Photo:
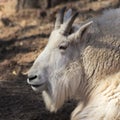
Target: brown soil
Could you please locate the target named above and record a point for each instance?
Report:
(20, 43)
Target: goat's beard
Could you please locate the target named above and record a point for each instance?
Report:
(64, 85)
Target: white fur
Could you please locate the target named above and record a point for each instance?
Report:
(87, 70)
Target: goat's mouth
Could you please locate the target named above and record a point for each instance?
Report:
(37, 86)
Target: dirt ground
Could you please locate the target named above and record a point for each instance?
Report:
(21, 41)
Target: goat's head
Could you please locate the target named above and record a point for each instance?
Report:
(63, 48)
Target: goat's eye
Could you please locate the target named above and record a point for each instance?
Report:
(63, 46)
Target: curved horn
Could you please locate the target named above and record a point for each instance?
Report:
(65, 28)
(59, 18)
(67, 15)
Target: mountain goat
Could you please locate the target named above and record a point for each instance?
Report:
(81, 62)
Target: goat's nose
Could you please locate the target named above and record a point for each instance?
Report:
(30, 78)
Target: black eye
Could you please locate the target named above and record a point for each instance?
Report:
(63, 46)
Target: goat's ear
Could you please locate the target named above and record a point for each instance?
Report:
(80, 32)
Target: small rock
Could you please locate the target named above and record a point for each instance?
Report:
(23, 23)
(14, 72)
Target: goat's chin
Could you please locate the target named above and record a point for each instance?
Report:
(39, 88)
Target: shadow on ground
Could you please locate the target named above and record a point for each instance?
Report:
(19, 104)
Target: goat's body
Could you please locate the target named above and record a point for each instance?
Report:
(101, 59)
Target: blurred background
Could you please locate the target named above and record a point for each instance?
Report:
(25, 26)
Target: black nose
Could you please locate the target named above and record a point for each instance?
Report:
(32, 77)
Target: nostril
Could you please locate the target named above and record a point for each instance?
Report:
(32, 77)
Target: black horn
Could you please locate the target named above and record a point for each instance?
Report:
(59, 18)
(65, 28)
